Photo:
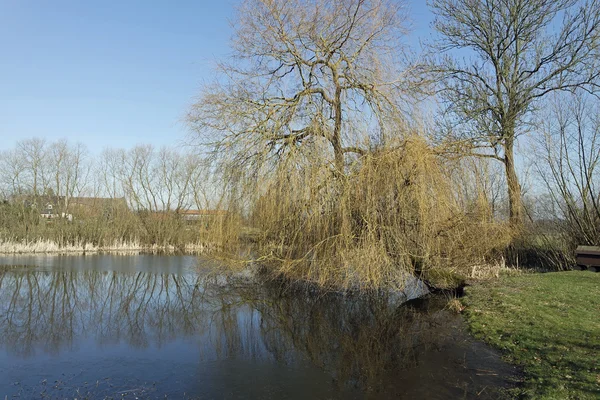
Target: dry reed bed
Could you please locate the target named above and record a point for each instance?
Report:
(51, 247)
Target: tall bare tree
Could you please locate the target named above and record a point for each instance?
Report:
(67, 167)
(34, 154)
(109, 173)
(12, 173)
(521, 50)
(306, 75)
(570, 149)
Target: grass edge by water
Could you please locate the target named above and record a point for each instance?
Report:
(548, 325)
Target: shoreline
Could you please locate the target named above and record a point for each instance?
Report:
(47, 247)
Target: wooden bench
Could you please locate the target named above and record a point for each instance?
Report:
(588, 257)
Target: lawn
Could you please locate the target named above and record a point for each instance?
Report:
(549, 324)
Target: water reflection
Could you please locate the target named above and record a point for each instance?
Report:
(369, 347)
(373, 343)
(51, 309)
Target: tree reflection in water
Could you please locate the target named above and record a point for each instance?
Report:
(51, 309)
(372, 344)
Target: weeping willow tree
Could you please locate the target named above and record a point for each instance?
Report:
(325, 78)
(398, 212)
(308, 122)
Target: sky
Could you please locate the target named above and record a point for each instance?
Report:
(114, 73)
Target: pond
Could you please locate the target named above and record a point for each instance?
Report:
(150, 327)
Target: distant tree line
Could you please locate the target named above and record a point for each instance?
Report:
(117, 198)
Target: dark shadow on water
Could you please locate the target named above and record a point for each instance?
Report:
(110, 332)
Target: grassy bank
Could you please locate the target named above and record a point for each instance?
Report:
(547, 323)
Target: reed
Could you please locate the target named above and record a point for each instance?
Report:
(46, 246)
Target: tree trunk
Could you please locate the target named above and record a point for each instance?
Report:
(515, 203)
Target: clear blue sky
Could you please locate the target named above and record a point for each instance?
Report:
(112, 73)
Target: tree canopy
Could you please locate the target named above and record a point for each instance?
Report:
(324, 77)
(521, 50)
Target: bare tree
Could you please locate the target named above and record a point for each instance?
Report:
(67, 168)
(521, 51)
(152, 180)
(570, 148)
(174, 171)
(12, 173)
(137, 177)
(109, 168)
(33, 152)
(322, 76)
(56, 160)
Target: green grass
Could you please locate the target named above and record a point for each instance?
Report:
(549, 324)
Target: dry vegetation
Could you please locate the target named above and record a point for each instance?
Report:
(310, 139)
(395, 213)
(23, 230)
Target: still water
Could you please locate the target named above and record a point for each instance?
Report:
(150, 327)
